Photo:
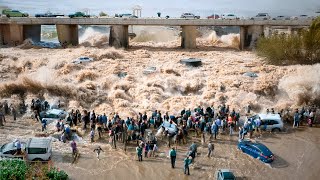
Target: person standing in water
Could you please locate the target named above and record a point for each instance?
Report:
(173, 155)
(14, 113)
(139, 152)
(98, 150)
(187, 162)
(2, 119)
(210, 149)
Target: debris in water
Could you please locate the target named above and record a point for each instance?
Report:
(250, 74)
(194, 62)
(150, 70)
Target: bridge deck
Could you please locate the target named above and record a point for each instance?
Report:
(151, 22)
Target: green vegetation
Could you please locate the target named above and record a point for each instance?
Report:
(103, 14)
(287, 49)
(16, 169)
(13, 169)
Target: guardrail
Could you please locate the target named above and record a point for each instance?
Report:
(151, 21)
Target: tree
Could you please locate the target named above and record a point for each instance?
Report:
(103, 14)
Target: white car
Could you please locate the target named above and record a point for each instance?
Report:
(189, 16)
(39, 149)
(261, 16)
(81, 60)
(229, 16)
(281, 18)
(9, 150)
(36, 149)
(53, 114)
(270, 122)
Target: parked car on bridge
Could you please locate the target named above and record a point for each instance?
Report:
(127, 15)
(78, 14)
(14, 13)
(189, 16)
(81, 60)
(229, 16)
(35, 149)
(214, 16)
(256, 150)
(281, 18)
(261, 16)
(48, 14)
(224, 174)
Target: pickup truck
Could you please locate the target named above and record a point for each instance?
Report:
(78, 14)
(14, 13)
(48, 14)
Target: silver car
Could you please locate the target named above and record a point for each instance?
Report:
(261, 16)
(9, 150)
(81, 60)
(270, 122)
(189, 16)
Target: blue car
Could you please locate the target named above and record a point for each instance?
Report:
(256, 150)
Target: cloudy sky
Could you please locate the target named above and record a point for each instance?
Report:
(170, 7)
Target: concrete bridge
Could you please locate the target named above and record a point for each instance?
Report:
(14, 31)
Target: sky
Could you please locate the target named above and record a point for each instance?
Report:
(172, 8)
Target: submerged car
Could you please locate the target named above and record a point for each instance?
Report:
(171, 128)
(53, 115)
(35, 149)
(14, 13)
(225, 174)
(256, 150)
(9, 150)
(81, 60)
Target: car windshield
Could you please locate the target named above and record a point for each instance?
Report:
(263, 149)
(15, 11)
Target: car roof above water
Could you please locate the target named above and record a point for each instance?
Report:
(269, 116)
(39, 142)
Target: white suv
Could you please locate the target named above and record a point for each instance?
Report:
(270, 122)
(39, 149)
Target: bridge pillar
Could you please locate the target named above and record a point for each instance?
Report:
(11, 34)
(1, 35)
(119, 36)
(188, 37)
(68, 34)
(32, 32)
(249, 36)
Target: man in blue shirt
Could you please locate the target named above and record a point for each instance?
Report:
(187, 162)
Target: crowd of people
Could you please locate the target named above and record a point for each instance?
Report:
(202, 122)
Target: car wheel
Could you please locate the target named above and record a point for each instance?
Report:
(8, 15)
(37, 160)
(276, 130)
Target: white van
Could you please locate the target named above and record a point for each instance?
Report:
(270, 122)
(39, 149)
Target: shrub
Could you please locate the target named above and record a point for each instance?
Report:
(13, 169)
(55, 174)
(103, 14)
(301, 48)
